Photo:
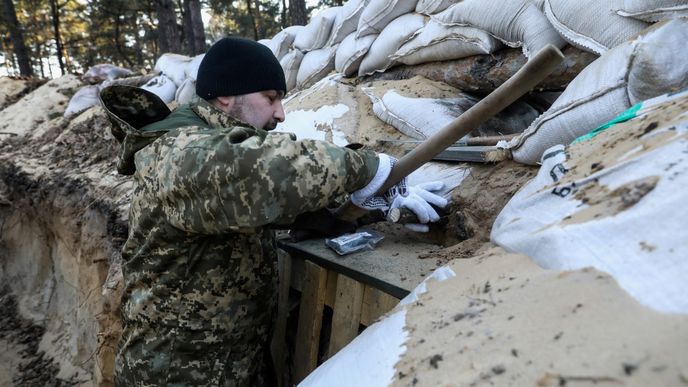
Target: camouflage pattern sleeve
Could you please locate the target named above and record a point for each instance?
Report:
(215, 181)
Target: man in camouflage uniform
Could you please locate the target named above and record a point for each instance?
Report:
(199, 263)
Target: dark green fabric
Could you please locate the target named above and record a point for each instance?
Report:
(181, 117)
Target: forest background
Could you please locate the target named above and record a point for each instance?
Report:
(50, 38)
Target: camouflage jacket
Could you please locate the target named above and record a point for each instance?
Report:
(199, 263)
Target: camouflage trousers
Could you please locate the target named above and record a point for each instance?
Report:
(174, 358)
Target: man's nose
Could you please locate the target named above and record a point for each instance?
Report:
(279, 112)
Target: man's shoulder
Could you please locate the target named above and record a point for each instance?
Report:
(182, 116)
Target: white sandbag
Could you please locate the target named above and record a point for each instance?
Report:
(346, 21)
(350, 53)
(173, 66)
(162, 86)
(592, 25)
(317, 32)
(653, 10)
(83, 99)
(388, 42)
(102, 72)
(186, 91)
(378, 13)
(431, 7)
(517, 23)
(290, 65)
(540, 4)
(616, 203)
(436, 42)
(660, 63)
(421, 118)
(191, 69)
(315, 65)
(268, 43)
(282, 41)
(648, 66)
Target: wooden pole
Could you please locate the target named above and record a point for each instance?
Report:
(525, 79)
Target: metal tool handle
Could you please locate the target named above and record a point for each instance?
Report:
(525, 79)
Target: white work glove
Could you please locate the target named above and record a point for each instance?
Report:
(418, 199)
(415, 198)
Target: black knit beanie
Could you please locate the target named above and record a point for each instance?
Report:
(235, 66)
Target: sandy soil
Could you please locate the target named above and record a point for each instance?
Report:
(21, 362)
(503, 321)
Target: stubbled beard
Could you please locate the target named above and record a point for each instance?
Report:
(242, 109)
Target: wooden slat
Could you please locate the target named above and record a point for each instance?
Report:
(310, 320)
(375, 304)
(331, 290)
(279, 345)
(346, 313)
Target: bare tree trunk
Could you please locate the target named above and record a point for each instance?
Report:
(297, 12)
(194, 33)
(259, 20)
(118, 44)
(19, 47)
(283, 18)
(137, 41)
(168, 31)
(55, 12)
(39, 54)
(253, 20)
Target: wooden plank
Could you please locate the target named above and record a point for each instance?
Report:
(375, 304)
(346, 314)
(331, 290)
(297, 269)
(392, 267)
(310, 320)
(279, 344)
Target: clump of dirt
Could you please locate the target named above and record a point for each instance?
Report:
(34, 368)
(12, 89)
(476, 204)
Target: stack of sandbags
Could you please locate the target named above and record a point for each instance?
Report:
(642, 68)
(98, 77)
(364, 37)
(281, 43)
(104, 72)
(615, 202)
(592, 25)
(421, 118)
(388, 42)
(437, 42)
(367, 36)
(517, 23)
(176, 79)
(653, 10)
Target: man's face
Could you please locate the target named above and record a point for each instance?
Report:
(261, 110)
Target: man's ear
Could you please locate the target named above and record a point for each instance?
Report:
(225, 103)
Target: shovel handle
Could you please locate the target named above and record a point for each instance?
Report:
(525, 79)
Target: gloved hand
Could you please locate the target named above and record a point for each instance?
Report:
(418, 199)
(415, 198)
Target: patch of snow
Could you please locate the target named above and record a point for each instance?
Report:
(309, 124)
